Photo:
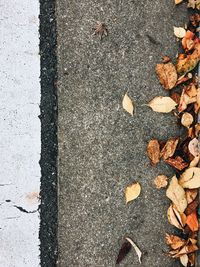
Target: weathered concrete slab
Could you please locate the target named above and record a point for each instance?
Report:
(101, 148)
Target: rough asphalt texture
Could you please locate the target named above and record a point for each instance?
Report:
(48, 107)
(102, 148)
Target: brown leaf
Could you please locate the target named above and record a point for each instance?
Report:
(186, 99)
(197, 129)
(176, 97)
(132, 192)
(177, 195)
(190, 178)
(191, 194)
(192, 207)
(153, 151)
(169, 148)
(178, 163)
(186, 250)
(160, 181)
(192, 259)
(174, 241)
(189, 62)
(167, 75)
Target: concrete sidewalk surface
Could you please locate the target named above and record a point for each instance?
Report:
(102, 149)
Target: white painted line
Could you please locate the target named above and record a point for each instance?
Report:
(20, 143)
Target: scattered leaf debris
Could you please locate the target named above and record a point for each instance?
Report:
(100, 29)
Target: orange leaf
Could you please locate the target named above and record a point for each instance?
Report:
(192, 221)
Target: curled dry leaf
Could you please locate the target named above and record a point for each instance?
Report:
(178, 163)
(191, 194)
(153, 151)
(190, 178)
(162, 104)
(161, 181)
(176, 194)
(176, 218)
(188, 63)
(137, 250)
(192, 222)
(179, 32)
(194, 147)
(187, 119)
(169, 148)
(127, 104)
(167, 75)
(186, 99)
(184, 259)
(174, 241)
(132, 192)
(186, 250)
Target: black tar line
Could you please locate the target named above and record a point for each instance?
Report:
(48, 109)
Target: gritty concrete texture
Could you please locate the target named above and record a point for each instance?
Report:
(20, 142)
(102, 148)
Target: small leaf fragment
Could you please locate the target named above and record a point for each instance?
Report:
(162, 104)
(179, 32)
(125, 249)
(137, 250)
(184, 260)
(127, 104)
(169, 148)
(190, 178)
(161, 181)
(178, 163)
(177, 195)
(132, 192)
(153, 151)
(167, 75)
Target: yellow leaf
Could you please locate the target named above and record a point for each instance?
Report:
(176, 193)
(163, 104)
(132, 192)
(127, 104)
(190, 178)
(179, 32)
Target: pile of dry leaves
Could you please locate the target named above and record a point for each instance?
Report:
(182, 152)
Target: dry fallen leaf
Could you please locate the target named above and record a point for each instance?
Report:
(127, 104)
(167, 75)
(137, 250)
(175, 217)
(132, 192)
(194, 4)
(186, 250)
(194, 147)
(189, 62)
(192, 206)
(178, 163)
(191, 194)
(187, 119)
(153, 151)
(177, 195)
(169, 148)
(161, 181)
(190, 178)
(178, 1)
(184, 260)
(192, 222)
(179, 32)
(162, 104)
(174, 241)
(195, 162)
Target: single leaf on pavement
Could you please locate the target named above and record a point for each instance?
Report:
(127, 104)
(169, 148)
(137, 250)
(190, 178)
(162, 104)
(167, 75)
(161, 181)
(179, 32)
(132, 192)
(176, 194)
(153, 151)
